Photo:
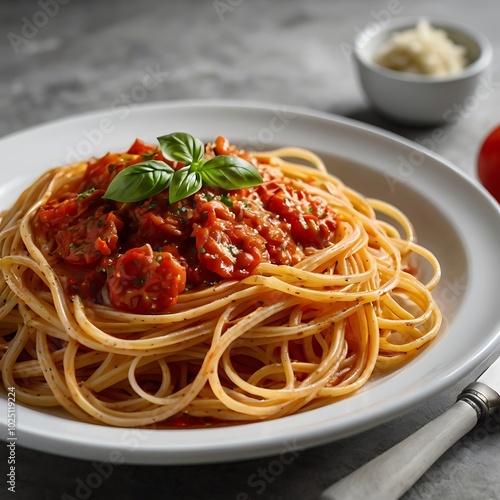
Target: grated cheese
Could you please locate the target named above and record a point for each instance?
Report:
(422, 50)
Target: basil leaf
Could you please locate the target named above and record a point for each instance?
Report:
(140, 181)
(185, 182)
(182, 147)
(229, 172)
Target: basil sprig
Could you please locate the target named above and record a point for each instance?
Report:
(143, 180)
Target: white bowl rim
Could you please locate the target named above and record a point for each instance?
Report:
(399, 23)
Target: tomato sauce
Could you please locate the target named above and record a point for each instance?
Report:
(139, 257)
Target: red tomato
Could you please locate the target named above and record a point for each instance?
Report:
(146, 282)
(488, 163)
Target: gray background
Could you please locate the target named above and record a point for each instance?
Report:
(84, 56)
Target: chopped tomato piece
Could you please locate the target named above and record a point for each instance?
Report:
(141, 148)
(229, 249)
(89, 239)
(145, 281)
(312, 223)
(60, 212)
(56, 212)
(100, 173)
(158, 223)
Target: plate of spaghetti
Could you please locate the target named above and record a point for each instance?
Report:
(207, 281)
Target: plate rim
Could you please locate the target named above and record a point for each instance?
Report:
(258, 447)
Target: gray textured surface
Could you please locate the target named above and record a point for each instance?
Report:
(91, 55)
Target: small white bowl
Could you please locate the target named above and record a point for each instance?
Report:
(415, 99)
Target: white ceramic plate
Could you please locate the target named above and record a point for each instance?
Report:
(452, 216)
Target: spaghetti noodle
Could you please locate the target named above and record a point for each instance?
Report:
(279, 298)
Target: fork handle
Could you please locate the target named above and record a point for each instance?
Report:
(389, 475)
